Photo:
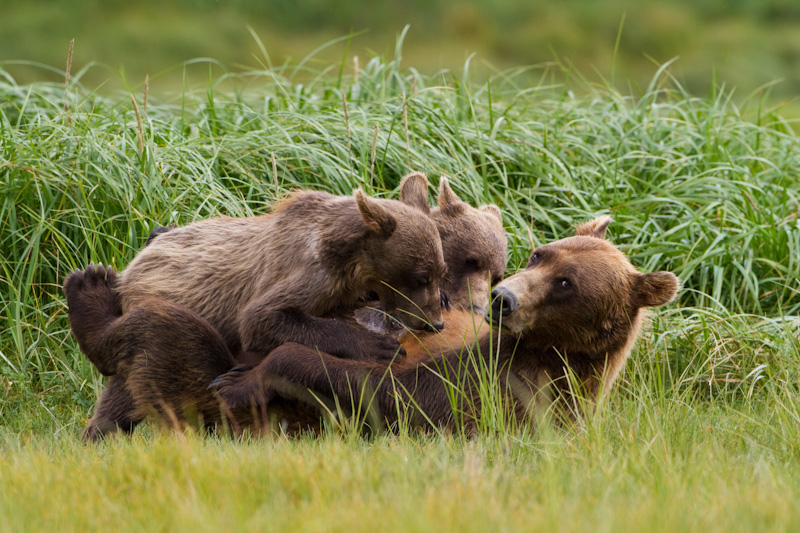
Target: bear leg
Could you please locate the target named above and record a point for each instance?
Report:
(299, 373)
(115, 411)
(265, 326)
(94, 306)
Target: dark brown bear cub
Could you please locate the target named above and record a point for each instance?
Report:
(145, 345)
(566, 322)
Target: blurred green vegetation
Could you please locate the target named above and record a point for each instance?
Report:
(741, 43)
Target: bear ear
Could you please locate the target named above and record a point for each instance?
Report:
(449, 203)
(376, 217)
(492, 210)
(654, 289)
(594, 228)
(414, 191)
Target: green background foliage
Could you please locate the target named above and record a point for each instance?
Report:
(743, 43)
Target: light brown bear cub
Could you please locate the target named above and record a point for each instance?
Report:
(474, 245)
(566, 322)
(473, 241)
(266, 280)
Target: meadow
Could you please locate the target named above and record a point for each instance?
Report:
(702, 431)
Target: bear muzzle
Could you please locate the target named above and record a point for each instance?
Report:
(504, 302)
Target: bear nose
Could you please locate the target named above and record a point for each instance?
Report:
(504, 302)
(436, 327)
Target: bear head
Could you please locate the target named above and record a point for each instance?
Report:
(404, 261)
(473, 241)
(579, 294)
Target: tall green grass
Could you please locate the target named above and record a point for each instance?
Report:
(702, 424)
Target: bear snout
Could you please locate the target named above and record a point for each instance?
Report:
(435, 327)
(504, 302)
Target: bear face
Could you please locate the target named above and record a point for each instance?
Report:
(579, 294)
(473, 241)
(405, 265)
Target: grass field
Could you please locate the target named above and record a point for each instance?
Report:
(702, 431)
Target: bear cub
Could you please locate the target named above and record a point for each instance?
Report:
(266, 280)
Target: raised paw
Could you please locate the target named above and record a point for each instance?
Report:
(93, 305)
(93, 289)
(92, 277)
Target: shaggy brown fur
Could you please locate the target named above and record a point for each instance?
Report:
(166, 356)
(473, 241)
(267, 280)
(569, 320)
(257, 283)
(143, 343)
(149, 377)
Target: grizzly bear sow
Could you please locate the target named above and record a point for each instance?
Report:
(565, 323)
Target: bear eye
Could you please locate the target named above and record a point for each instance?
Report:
(564, 283)
(534, 259)
(471, 264)
(422, 281)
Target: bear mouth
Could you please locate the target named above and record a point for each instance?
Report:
(496, 321)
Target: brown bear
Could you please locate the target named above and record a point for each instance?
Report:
(473, 241)
(566, 323)
(266, 280)
(137, 387)
(475, 252)
(144, 344)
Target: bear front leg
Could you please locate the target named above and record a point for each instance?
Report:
(265, 326)
(115, 411)
(299, 373)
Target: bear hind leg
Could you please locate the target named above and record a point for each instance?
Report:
(116, 411)
(94, 306)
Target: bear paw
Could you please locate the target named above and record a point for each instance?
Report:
(92, 288)
(242, 387)
(377, 347)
